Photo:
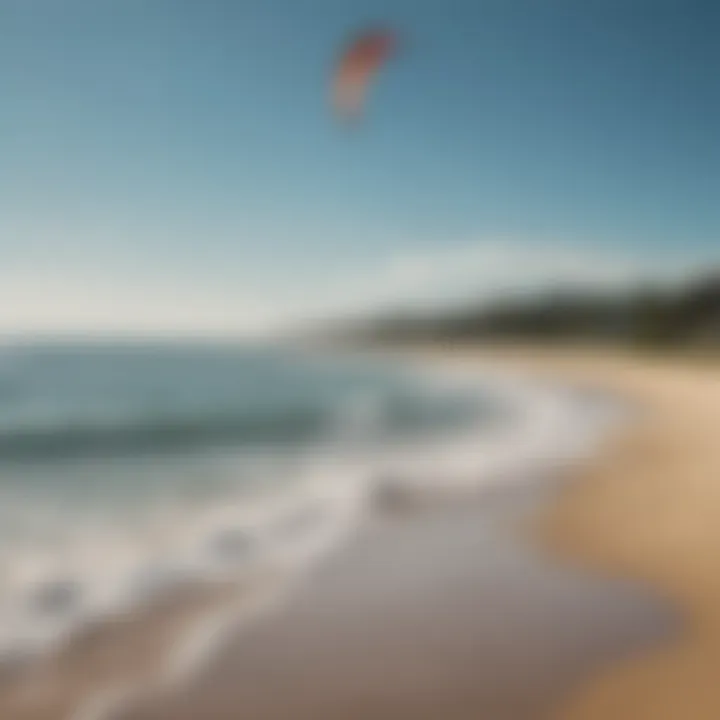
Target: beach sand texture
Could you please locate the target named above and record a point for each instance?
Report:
(439, 612)
(649, 509)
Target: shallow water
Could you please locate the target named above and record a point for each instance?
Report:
(124, 468)
(129, 473)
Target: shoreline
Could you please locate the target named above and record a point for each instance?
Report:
(649, 511)
(544, 626)
(436, 611)
(567, 602)
(116, 658)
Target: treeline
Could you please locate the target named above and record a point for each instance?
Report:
(646, 316)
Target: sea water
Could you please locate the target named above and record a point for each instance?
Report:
(128, 470)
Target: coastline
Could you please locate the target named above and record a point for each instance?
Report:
(440, 611)
(547, 598)
(647, 510)
(511, 640)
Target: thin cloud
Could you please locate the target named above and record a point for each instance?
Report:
(482, 271)
(422, 280)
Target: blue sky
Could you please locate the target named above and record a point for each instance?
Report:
(172, 164)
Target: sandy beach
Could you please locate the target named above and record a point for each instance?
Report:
(649, 509)
(637, 530)
(438, 612)
(589, 595)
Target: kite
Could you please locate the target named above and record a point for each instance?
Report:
(359, 63)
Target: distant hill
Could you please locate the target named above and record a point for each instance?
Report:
(655, 316)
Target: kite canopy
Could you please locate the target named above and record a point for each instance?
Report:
(359, 63)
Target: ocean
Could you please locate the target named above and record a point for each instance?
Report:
(130, 470)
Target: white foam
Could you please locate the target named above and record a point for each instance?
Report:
(103, 571)
(285, 531)
(545, 427)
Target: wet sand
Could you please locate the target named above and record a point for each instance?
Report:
(437, 612)
(105, 660)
